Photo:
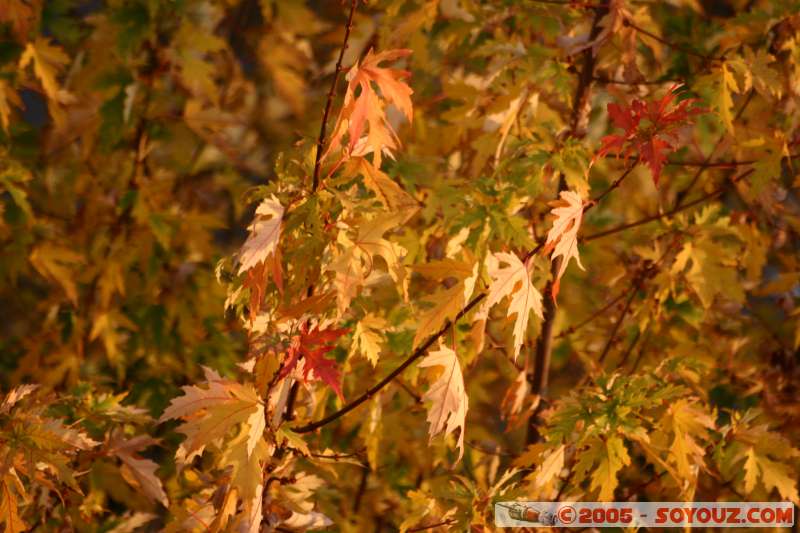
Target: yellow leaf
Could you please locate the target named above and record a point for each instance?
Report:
(447, 304)
(58, 263)
(138, 471)
(444, 268)
(265, 232)
(367, 337)
(605, 458)
(210, 413)
(750, 471)
(9, 510)
(689, 424)
(707, 275)
(286, 62)
(766, 79)
(48, 61)
(774, 475)
(448, 396)
(247, 464)
(191, 45)
(8, 97)
(354, 259)
(549, 468)
(388, 192)
(513, 281)
(562, 238)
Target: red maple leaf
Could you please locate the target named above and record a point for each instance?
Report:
(312, 346)
(650, 129)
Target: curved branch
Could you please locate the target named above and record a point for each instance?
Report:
(369, 393)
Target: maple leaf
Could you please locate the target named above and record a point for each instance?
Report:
(549, 461)
(312, 347)
(265, 232)
(10, 488)
(768, 457)
(688, 423)
(57, 263)
(774, 475)
(386, 190)
(447, 302)
(513, 281)
(516, 397)
(246, 463)
(365, 111)
(605, 457)
(48, 61)
(367, 337)
(136, 470)
(562, 238)
(189, 48)
(354, 259)
(448, 410)
(210, 413)
(649, 128)
(15, 395)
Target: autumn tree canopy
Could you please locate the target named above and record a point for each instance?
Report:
(276, 265)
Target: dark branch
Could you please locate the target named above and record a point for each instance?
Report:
(671, 44)
(633, 290)
(329, 102)
(396, 372)
(600, 312)
(540, 369)
(652, 218)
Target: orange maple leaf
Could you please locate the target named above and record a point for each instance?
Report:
(363, 115)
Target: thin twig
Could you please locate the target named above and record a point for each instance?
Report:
(681, 196)
(609, 81)
(629, 349)
(618, 324)
(613, 186)
(652, 218)
(600, 312)
(288, 414)
(440, 524)
(671, 44)
(539, 371)
(362, 488)
(329, 102)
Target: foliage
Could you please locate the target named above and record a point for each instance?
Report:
(274, 267)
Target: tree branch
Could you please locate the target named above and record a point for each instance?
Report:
(288, 414)
(600, 312)
(671, 44)
(618, 324)
(652, 218)
(539, 371)
(681, 196)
